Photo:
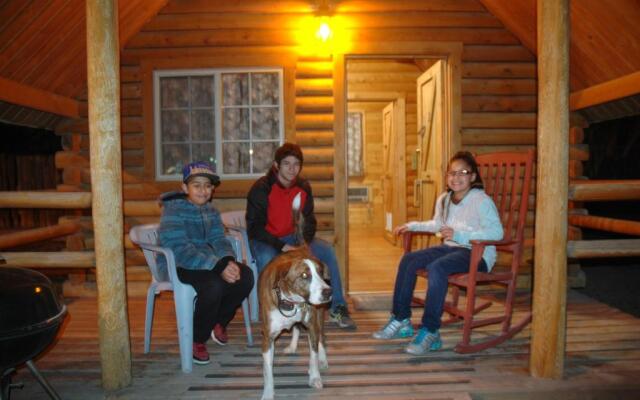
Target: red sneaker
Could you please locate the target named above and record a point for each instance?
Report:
(219, 335)
(200, 354)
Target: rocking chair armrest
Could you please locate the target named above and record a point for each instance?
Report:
(407, 237)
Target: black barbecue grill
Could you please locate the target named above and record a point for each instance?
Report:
(30, 316)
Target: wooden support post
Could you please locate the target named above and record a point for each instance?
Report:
(103, 76)
(550, 284)
(340, 212)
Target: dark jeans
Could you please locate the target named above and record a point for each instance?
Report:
(440, 262)
(217, 300)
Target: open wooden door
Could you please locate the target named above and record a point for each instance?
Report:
(432, 149)
(393, 165)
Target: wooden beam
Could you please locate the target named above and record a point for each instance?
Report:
(603, 248)
(614, 89)
(14, 239)
(23, 95)
(103, 77)
(38, 199)
(604, 190)
(550, 259)
(606, 224)
(45, 259)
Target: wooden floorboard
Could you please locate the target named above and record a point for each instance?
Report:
(603, 349)
(602, 353)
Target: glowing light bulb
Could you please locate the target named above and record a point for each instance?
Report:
(324, 31)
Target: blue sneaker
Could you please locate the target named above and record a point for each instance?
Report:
(424, 342)
(395, 329)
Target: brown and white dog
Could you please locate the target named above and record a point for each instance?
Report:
(292, 290)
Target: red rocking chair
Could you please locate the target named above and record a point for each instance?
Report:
(507, 179)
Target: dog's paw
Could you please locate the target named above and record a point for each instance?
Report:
(315, 383)
(324, 364)
(267, 396)
(290, 350)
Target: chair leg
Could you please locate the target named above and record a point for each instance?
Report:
(254, 308)
(247, 322)
(184, 315)
(148, 320)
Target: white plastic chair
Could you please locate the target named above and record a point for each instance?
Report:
(235, 222)
(146, 236)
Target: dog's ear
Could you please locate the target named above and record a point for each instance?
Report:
(325, 273)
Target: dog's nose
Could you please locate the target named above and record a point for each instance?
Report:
(326, 293)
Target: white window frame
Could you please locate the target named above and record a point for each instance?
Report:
(218, 107)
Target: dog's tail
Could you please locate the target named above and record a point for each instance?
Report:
(298, 219)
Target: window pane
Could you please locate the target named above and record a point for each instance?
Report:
(175, 92)
(235, 123)
(202, 91)
(235, 89)
(264, 88)
(235, 158)
(354, 143)
(205, 152)
(263, 156)
(265, 123)
(175, 126)
(202, 127)
(174, 157)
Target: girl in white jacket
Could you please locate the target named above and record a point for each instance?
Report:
(462, 214)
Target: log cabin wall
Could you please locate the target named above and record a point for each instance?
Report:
(498, 87)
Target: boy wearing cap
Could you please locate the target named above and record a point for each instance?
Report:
(192, 228)
(270, 222)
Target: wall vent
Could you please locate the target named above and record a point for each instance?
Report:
(358, 194)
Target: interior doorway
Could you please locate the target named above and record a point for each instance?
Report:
(386, 150)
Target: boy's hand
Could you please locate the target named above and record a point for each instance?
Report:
(288, 247)
(231, 272)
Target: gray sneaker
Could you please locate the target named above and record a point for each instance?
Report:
(340, 316)
(424, 342)
(395, 329)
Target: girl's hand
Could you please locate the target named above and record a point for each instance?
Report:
(231, 272)
(399, 230)
(446, 233)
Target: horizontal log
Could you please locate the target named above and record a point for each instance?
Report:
(499, 120)
(40, 259)
(496, 53)
(499, 103)
(499, 87)
(604, 190)
(498, 137)
(15, 239)
(499, 70)
(315, 138)
(65, 159)
(314, 121)
(314, 69)
(36, 199)
(606, 224)
(603, 248)
(314, 105)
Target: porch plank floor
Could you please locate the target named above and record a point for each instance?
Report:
(603, 354)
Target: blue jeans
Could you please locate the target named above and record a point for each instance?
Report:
(440, 262)
(264, 252)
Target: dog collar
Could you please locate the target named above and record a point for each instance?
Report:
(287, 305)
